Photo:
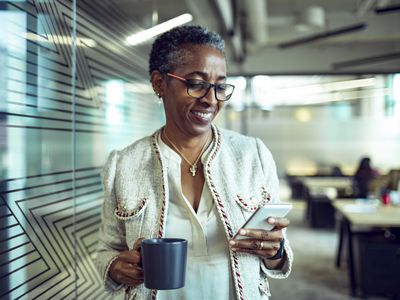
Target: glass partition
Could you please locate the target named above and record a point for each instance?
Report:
(115, 105)
(55, 135)
(36, 199)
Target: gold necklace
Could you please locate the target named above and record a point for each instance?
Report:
(193, 167)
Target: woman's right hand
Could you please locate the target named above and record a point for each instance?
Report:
(126, 269)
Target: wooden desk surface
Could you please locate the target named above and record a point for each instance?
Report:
(384, 216)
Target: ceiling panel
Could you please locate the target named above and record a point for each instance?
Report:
(373, 48)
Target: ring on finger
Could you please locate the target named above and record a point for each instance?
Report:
(256, 245)
(262, 245)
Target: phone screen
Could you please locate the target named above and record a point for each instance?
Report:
(258, 220)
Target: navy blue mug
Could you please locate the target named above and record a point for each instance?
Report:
(164, 263)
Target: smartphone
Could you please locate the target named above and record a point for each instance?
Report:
(258, 220)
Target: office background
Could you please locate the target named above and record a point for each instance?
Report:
(72, 89)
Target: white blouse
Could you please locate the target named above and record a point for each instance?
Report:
(208, 272)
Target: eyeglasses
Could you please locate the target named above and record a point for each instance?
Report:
(199, 88)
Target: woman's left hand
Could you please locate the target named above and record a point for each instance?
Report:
(261, 242)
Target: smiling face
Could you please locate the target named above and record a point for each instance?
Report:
(186, 115)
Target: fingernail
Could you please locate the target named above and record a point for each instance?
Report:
(233, 249)
(232, 243)
(271, 220)
(242, 232)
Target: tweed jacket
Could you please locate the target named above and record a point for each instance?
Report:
(241, 175)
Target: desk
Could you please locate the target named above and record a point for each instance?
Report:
(382, 217)
(318, 191)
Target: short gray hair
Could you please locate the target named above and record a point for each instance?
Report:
(167, 50)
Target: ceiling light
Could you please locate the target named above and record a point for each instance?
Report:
(265, 92)
(144, 35)
(303, 115)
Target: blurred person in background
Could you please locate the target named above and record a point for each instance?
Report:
(363, 176)
(336, 171)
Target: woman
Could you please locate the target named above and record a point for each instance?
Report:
(363, 176)
(192, 180)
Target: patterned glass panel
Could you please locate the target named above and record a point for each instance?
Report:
(55, 137)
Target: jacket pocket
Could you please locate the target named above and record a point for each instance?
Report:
(251, 202)
(124, 211)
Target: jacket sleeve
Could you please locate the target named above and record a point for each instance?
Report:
(112, 231)
(272, 182)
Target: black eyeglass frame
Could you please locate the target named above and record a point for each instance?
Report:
(209, 86)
